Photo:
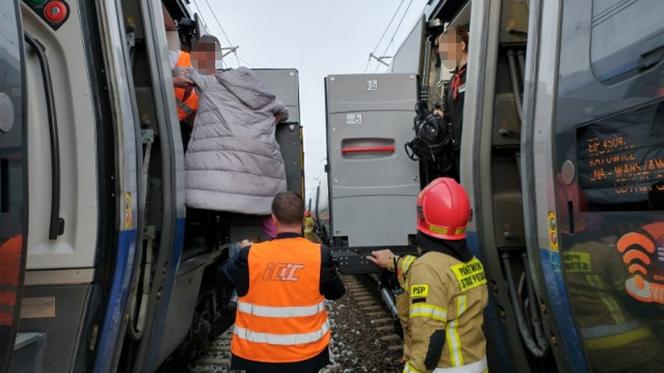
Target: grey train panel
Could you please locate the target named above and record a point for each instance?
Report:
(180, 313)
(284, 83)
(289, 137)
(369, 120)
(28, 353)
(408, 58)
(56, 312)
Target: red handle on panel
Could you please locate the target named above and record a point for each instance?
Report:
(368, 149)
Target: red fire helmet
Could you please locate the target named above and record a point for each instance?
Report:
(443, 210)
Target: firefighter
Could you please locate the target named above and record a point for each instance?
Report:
(453, 52)
(614, 315)
(445, 292)
(309, 225)
(281, 324)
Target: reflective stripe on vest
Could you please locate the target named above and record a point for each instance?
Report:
(283, 339)
(185, 107)
(182, 106)
(282, 318)
(266, 311)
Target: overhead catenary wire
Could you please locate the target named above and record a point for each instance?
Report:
(223, 32)
(224, 65)
(394, 34)
(373, 52)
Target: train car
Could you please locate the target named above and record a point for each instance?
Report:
(95, 271)
(561, 152)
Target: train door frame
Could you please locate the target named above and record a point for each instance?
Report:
(478, 112)
(579, 97)
(79, 284)
(128, 166)
(537, 178)
(172, 166)
(528, 349)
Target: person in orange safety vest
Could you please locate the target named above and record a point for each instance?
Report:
(281, 324)
(186, 99)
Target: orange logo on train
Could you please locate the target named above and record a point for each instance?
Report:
(643, 254)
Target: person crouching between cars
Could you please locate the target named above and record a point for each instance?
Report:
(281, 323)
(441, 310)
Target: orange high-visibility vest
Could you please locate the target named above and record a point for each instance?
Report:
(186, 99)
(282, 318)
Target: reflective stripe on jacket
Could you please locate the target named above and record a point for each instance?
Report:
(282, 318)
(441, 311)
(186, 99)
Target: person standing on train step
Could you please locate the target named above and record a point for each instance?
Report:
(233, 162)
(445, 292)
(281, 324)
(186, 97)
(453, 52)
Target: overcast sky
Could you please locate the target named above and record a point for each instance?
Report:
(317, 37)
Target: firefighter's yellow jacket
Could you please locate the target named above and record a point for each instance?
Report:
(441, 312)
(596, 275)
(309, 226)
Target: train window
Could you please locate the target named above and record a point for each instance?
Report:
(627, 36)
(621, 160)
(12, 175)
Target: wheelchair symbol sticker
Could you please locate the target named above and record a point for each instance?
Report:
(353, 118)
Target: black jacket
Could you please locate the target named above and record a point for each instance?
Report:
(236, 271)
(453, 108)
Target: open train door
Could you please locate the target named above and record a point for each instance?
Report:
(373, 185)
(13, 182)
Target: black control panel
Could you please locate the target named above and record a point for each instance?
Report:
(353, 260)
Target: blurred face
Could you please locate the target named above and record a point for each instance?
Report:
(450, 50)
(205, 57)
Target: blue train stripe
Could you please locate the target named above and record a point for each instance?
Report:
(169, 282)
(124, 264)
(562, 312)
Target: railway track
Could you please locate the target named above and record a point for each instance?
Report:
(368, 300)
(217, 357)
(363, 336)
